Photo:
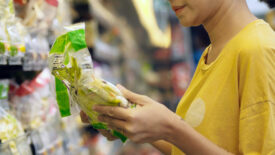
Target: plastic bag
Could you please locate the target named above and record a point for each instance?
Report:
(6, 9)
(27, 106)
(10, 129)
(12, 34)
(3, 42)
(4, 90)
(16, 38)
(6, 13)
(75, 83)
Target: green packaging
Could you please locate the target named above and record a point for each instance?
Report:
(75, 83)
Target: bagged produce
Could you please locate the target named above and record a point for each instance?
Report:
(75, 83)
(16, 43)
(4, 90)
(12, 35)
(3, 42)
(10, 129)
(6, 9)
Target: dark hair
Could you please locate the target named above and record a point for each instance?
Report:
(271, 3)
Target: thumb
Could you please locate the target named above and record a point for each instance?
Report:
(84, 117)
(129, 95)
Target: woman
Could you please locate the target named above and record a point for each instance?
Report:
(229, 107)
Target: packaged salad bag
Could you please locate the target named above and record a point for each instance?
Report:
(10, 130)
(75, 83)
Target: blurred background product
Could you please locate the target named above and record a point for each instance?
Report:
(137, 43)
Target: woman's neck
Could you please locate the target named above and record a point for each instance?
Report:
(231, 18)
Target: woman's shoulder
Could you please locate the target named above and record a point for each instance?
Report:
(258, 40)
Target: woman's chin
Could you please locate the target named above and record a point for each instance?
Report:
(188, 23)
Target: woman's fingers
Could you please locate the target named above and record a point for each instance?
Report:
(84, 117)
(112, 122)
(122, 131)
(115, 124)
(107, 134)
(129, 94)
(115, 112)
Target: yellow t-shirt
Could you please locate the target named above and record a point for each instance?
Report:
(232, 100)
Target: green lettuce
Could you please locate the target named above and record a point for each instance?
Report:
(70, 62)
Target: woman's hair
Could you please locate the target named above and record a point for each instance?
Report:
(271, 3)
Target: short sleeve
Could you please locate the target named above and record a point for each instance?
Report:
(257, 101)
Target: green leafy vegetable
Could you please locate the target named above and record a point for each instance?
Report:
(71, 64)
(13, 51)
(2, 48)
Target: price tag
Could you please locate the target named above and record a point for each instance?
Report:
(57, 61)
(86, 66)
(17, 60)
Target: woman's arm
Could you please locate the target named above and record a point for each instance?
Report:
(163, 146)
(151, 121)
(190, 141)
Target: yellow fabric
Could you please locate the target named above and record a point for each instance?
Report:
(232, 100)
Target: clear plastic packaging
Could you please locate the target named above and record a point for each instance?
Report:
(4, 90)
(16, 146)
(22, 145)
(12, 35)
(27, 106)
(6, 9)
(16, 47)
(10, 129)
(5, 149)
(75, 82)
(32, 103)
(29, 55)
(3, 42)
(41, 46)
(2, 8)
(6, 14)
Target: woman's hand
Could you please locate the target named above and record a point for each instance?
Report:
(148, 122)
(105, 133)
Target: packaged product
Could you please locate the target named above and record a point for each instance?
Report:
(75, 82)
(6, 12)
(3, 42)
(10, 129)
(27, 106)
(6, 9)
(4, 89)
(16, 41)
